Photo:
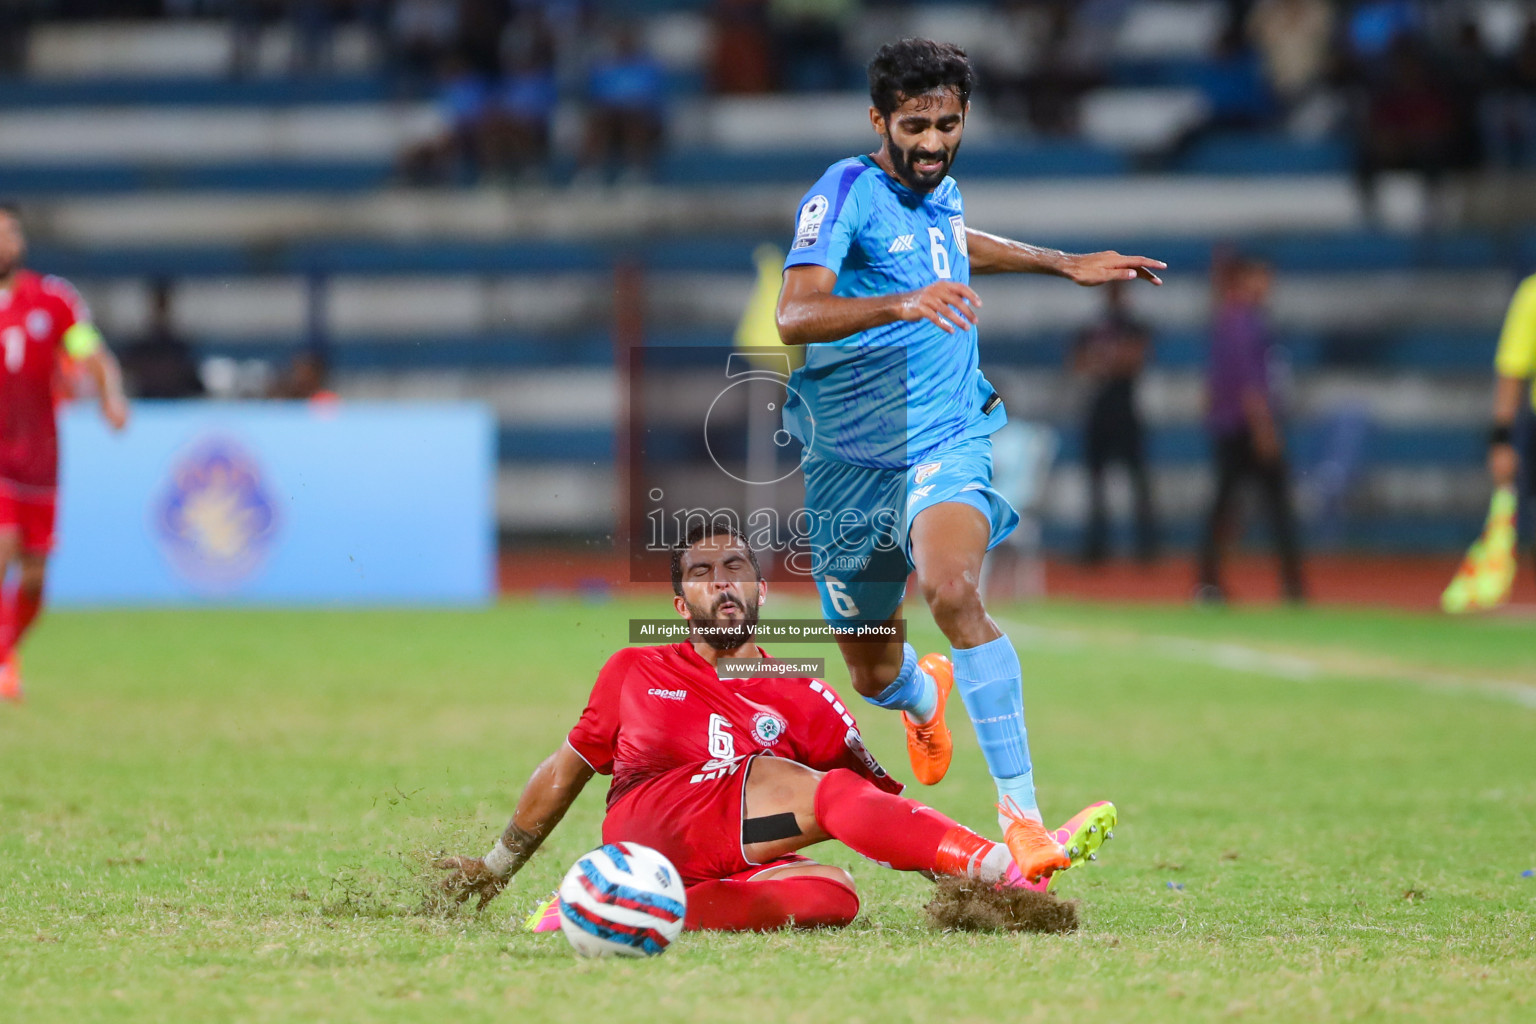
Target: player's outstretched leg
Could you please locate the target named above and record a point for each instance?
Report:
(801, 807)
(949, 541)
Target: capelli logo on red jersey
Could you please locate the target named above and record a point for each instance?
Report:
(668, 694)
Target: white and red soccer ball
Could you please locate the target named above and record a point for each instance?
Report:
(622, 899)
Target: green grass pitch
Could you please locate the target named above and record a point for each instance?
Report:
(222, 816)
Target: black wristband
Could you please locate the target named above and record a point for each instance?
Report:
(1500, 434)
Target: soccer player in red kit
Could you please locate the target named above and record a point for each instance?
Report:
(730, 778)
(42, 321)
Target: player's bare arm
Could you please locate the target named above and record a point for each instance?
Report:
(808, 311)
(991, 254)
(551, 790)
(102, 367)
(1503, 459)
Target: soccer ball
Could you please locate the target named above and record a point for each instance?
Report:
(622, 899)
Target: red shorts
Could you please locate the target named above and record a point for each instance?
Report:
(32, 515)
(695, 825)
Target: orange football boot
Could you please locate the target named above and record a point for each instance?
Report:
(930, 746)
(1035, 849)
(10, 680)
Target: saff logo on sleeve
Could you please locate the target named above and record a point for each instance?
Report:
(808, 227)
(957, 225)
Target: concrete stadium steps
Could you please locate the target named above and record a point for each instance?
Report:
(1423, 305)
(568, 414)
(171, 89)
(1422, 368)
(1050, 210)
(1392, 508)
(198, 50)
(156, 136)
(1266, 156)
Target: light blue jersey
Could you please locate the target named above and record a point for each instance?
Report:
(891, 396)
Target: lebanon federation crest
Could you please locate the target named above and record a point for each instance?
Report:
(215, 519)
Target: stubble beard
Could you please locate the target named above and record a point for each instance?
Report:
(722, 636)
(902, 164)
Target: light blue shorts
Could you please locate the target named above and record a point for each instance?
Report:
(860, 543)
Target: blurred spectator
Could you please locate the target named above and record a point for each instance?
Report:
(15, 20)
(808, 43)
(520, 111)
(741, 59)
(480, 27)
(1375, 28)
(1474, 76)
(247, 18)
(1111, 355)
(1511, 117)
(1008, 57)
(305, 379)
(160, 364)
(1235, 89)
(1071, 63)
(1243, 419)
(1412, 123)
(423, 33)
(463, 99)
(626, 93)
(313, 23)
(1295, 41)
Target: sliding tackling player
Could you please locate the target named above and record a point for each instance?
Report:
(731, 778)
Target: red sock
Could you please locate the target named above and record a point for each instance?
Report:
(805, 901)
(24, 606)
(903, 834)
(7, 618)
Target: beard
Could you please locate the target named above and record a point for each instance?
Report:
(903, 161)
(721, 634)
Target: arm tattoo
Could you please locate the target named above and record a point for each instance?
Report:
(520, 843)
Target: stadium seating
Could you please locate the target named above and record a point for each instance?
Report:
(273, 205)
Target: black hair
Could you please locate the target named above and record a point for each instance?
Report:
(715, 527)
(11, 207)
(912, 67)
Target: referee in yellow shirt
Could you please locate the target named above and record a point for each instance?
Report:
(1514, 366)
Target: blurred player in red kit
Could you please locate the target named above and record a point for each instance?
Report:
(42, 322)
(730, 778)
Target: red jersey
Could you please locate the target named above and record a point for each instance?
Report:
(658, 709)
(35, 313)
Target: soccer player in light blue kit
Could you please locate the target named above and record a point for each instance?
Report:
(895, 416)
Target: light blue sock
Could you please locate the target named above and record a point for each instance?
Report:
(990, 683)
(914, 690)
